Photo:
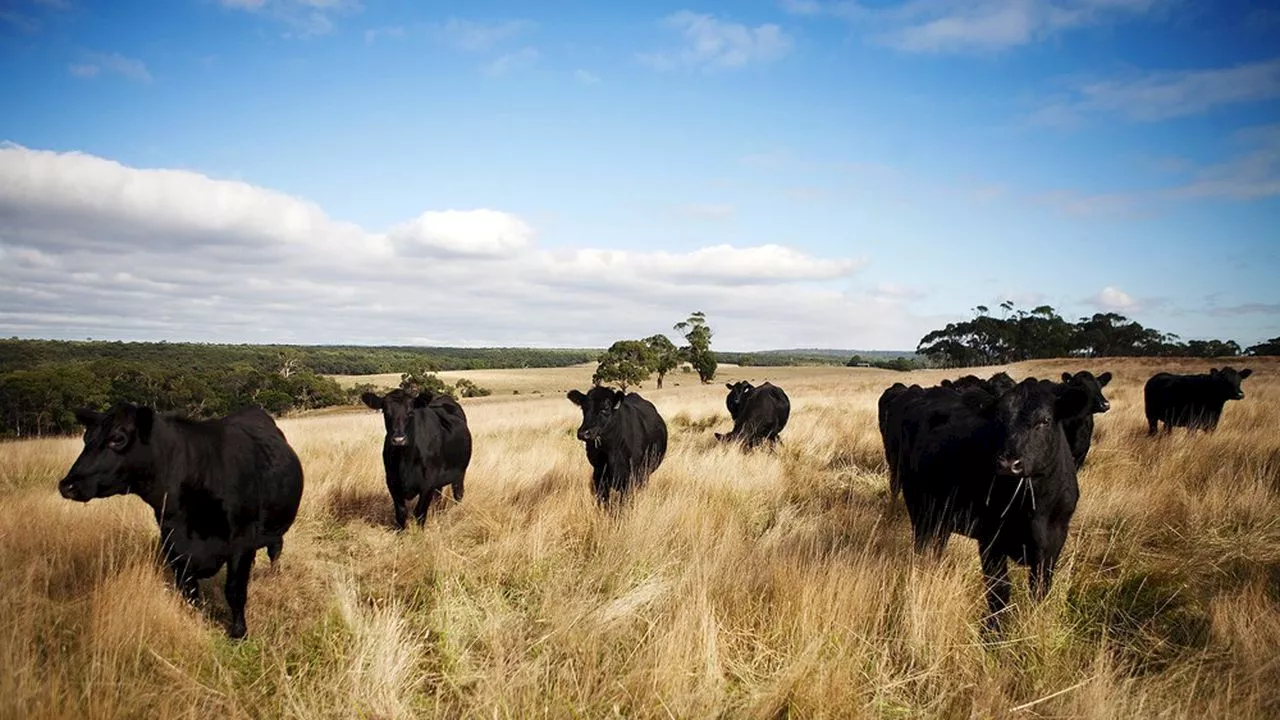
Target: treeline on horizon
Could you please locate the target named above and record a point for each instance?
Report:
(42, 382)
(1042, 333)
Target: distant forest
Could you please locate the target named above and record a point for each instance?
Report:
(1018, 335)
(42, 382)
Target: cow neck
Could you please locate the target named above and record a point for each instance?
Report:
(146, 482)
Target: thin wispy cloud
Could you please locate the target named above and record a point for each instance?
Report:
(512, 62)
(1251, 171)
(586, 78)
(111, 64)
(476, 35)
(714, 44)
(304, 18)
(1157, 95)
(966, 26)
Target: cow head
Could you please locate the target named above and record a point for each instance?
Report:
(397, 409)
(117, 452)
(738, 393)
(1029, 416)
(1001, 383)
(1092, 385)
(598, 405)
(1229, 381)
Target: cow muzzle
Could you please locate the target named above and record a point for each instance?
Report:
(1011, 466)
(399, 440)
(1104, 406)
(70, 488)
(1240, 395)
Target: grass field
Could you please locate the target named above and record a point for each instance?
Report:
(759, 586)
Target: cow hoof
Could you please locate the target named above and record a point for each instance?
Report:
(237, 631)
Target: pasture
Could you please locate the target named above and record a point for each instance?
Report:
(759, 585)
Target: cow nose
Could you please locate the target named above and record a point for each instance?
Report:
(67, 488)
(1240, 396)
(398, 439)
(584, 434)
(1105, 406)
(1012, 466)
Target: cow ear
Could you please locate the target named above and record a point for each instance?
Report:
(729, 386)
(144, 419)
(618, 397)
(423, 399)
(1104, 378)
(87, 417)
(720, 436)
(373, 400)
(946, 383)
(1213, 372)
(1070, 403)
(1245, 373)
(1066, 377)
(576, 397)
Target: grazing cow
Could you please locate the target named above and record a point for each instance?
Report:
(427, 446)
(759, 413)
(1079, 430)
(1191, 401)
(221, 489)
(625, 437)
(998, 470)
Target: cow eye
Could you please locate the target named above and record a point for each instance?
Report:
(1042, 422)
(117, 441)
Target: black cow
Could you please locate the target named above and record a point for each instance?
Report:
(1191, 401)
(996, 385)
(998, 470)
(759, 413)
(221, 489)
(625, 437)
(1080, 429)
(890, 407)
(427, 446)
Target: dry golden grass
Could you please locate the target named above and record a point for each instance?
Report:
(757, 586)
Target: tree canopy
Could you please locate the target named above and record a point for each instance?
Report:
(697, 352)
(1042, 333)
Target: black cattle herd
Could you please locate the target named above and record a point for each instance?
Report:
(993, 459)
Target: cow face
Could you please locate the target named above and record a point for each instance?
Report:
(1092, 385)
(599, 406)
(1229, 381)
(397, 409)
(116, 452)
(738, 393)
(1029, 416)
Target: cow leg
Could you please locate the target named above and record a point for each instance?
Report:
(995, 575)
(183, 578)
(274, 548)
(1153, 425)
(600, 483)
(424, 504)
(398, 503)
(238, 569)
(457, 487)
(1042, 557)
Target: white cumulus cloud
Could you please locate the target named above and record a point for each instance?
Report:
(90, 247)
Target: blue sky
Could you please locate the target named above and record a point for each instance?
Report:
(809, 173)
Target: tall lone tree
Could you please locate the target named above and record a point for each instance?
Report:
(697, 333)
(663, 355)
(625, 363)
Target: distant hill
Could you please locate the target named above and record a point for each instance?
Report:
(808, 356)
